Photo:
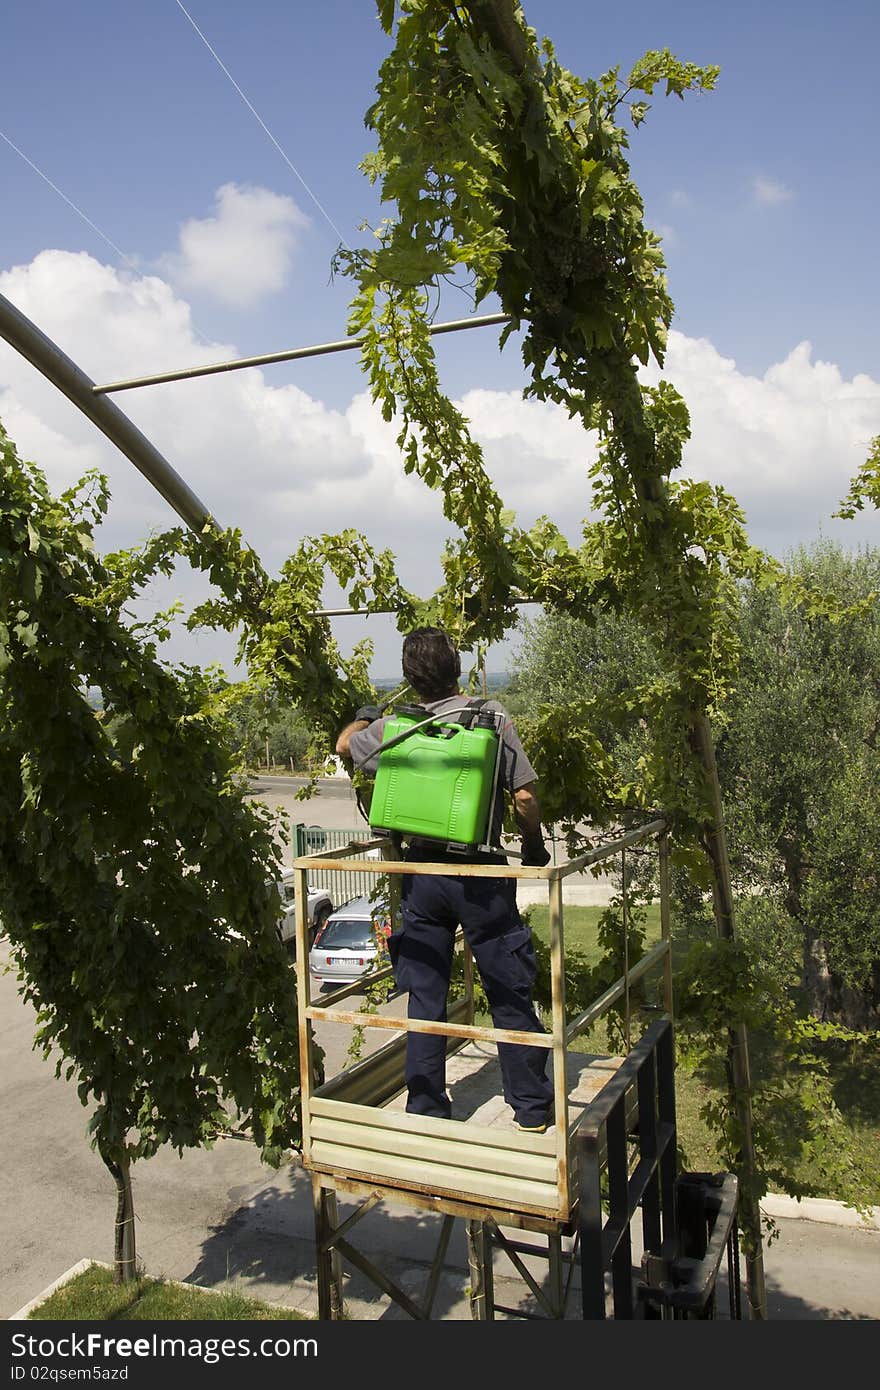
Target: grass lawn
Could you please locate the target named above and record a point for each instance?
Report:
(93, 1296)
(580, 925)
(856, 1078)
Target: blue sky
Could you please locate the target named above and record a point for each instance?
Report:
(766, 194)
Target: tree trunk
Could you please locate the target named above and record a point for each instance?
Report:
(857, 1008)
(815, 975)
(124, 1254)
(738, 1069)
(830, 999)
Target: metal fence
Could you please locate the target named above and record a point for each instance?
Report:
(347, 884)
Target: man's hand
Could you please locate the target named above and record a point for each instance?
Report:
(528, 819)
(364, 717)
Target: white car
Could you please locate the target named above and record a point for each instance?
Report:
(320, 905)
(351, 943)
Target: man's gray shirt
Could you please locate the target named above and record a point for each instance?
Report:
(516, 771)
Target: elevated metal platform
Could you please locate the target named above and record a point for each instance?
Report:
(478, 1156)
(359, 1139)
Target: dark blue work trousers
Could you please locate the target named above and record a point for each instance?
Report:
(421, 952)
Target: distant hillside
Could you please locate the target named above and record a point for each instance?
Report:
(495, 680)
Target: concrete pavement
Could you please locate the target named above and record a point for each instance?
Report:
(814, 1271)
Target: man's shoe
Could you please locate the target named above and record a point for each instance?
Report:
(531, 1129)
(418, 1105)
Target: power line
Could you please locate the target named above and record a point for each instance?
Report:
(291, 166)
(132, 264)
(79, 212)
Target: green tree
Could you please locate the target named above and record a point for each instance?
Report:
(504, 165)
(290, 738)
(562, 660)
(800, 763)
(259, 716)
(799, 771)
(509, 172)
(135, 875)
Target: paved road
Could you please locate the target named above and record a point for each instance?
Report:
(333, 806)
(56, 1197)
(328, 789)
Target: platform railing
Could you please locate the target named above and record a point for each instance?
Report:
(460, 1027)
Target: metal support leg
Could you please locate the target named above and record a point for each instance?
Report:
(556, 1276)
(329, 1263)
(437, 1266)
(482, 1294)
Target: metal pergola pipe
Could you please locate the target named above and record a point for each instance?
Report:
(518, 599)
(58, 368)
(72, 381)
(290, 355)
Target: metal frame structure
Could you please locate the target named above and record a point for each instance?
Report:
(602, 1141)
(289, 355)
(91, 399)
(627, 1164)
(71, 381)
(492, 1178)
(682, 1284)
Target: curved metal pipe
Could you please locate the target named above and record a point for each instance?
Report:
(58, 368)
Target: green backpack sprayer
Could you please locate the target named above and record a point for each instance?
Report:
(438, 775)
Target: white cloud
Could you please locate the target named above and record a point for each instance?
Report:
(273, 460)
(537, 457)
(770, 192)
(243, 252)
(785, 444)
(282, 465)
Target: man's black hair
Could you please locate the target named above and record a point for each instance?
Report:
(431, 663)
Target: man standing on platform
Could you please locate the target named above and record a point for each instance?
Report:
(432, 906)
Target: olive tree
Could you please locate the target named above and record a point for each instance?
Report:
(800, 764)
